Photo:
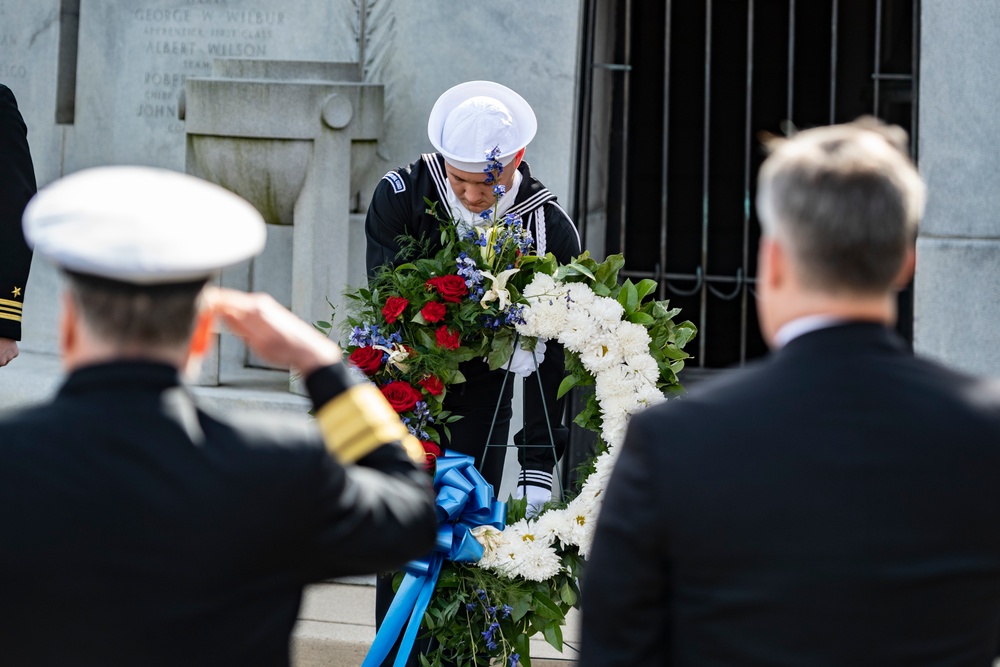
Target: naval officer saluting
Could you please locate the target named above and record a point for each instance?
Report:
(141, 530)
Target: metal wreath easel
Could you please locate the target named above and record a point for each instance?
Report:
(556, 474)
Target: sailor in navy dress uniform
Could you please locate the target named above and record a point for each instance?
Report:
(466, 122)
(139, 529)
(17, 186)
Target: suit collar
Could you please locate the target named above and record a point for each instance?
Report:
(847, 335)
(119, 375)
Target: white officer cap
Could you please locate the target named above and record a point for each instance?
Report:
(472, 118)
(142, 226)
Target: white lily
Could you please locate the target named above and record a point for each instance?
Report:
(498, 292)
(397, 355)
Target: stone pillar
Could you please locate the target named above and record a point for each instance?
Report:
(957, 309)
(295, 139)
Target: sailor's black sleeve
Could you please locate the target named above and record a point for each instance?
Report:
(389, 217)
(17, 186)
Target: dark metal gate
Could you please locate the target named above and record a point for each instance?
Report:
(673, 96)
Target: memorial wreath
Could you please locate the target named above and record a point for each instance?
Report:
(497, 576)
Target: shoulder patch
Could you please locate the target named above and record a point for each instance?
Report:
(397, 182)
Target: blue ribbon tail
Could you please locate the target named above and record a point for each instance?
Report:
(394, 619)
(417, 617)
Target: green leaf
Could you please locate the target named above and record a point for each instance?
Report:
(600, 289)
(419, 319)
(425, 338)
(553, 635)
(546, 608)
(628, 297)
(644, 287)
(408, 266)
(568, 595)
(641, 318)
(501, 350)
(568, 383)
(521, 604)
(583, 269)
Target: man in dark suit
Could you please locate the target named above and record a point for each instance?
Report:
(140, 530)
(835, 504)
(17, 185)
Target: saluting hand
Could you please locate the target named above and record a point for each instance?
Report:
(8, 350)
(272, 331)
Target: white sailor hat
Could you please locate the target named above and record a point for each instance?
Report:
(472, 118)
(142, 226)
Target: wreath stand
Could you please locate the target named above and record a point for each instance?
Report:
(522, 449)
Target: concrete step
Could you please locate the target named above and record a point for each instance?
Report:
(337, 625)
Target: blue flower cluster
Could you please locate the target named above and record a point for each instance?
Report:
(368, 335)
(491, 642)
(417, 424)
(473, 276)
(493, 167)
(514, 314)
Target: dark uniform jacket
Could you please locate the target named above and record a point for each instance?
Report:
(17, 186)
(834, 505)
(139, 530)
(398, 208)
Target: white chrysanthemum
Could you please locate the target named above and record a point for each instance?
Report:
(645, 366)
(544, 318)
(538, 562)
(541, 284)
(578, 529)
(601, 353)
(580, 295)
(633, 338)
(607, 312)
(525, 531)
(547, 525)
(524, 552)
(613, 429)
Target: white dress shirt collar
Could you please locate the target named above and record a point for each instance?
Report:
(803, 325)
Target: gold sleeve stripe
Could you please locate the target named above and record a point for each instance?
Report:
(13, 311)
(359, 421)
(13, 304)
(8, 316)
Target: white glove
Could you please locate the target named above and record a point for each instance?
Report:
(523, 362)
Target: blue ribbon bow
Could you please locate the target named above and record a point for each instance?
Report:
(464, 501)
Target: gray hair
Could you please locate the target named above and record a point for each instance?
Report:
(150, 316)
(846, 199)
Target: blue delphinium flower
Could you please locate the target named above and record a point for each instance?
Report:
(514, 657)
(493, 167)
(499, 190)
(489, 636)
(505, 611)
(514, 314)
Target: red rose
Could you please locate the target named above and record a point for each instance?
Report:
(432, 385)
(447, 339)
(402, 396)
(433, 311)
(431, 454)
(367, 359)
(394, 307)
(451, 287)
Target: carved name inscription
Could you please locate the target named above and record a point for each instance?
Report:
(177, 42)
